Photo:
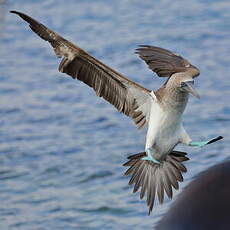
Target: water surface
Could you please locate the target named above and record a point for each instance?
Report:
(61, 148)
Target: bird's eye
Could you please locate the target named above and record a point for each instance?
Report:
(183, 84)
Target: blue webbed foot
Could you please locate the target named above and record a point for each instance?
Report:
(198, 143)
(203, 143)
(149, 156)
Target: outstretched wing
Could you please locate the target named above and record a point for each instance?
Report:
(127, 96)
(164, 62)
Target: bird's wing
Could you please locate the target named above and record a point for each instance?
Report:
(127, 96)
(164, 62)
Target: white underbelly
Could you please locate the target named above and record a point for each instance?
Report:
(163, 131)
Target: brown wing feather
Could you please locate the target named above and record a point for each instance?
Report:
(164, 62)
(77, 63)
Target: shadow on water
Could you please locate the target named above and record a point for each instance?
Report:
(204, 203)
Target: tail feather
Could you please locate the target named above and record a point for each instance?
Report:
(153, 179)
(167, 185)
(137, 156)
(160, 186)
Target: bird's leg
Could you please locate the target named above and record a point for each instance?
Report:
(185, 139)
(150, 154)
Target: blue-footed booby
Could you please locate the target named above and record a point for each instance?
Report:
(159, 167)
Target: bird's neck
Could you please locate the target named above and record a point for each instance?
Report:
(172, 99)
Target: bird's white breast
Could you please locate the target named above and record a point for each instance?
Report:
(164, 129)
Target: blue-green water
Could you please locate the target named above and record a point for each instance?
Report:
(61, 148)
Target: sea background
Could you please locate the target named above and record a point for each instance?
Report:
(61, 147)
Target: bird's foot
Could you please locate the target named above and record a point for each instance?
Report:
(203, 143)
(149, 156)
(199, 144)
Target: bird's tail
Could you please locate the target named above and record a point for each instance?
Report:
(156, 179)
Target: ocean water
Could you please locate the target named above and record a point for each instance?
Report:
(61, 147)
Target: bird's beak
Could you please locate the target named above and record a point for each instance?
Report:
(189, 88)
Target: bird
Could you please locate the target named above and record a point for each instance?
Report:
(206, 201)
(159, 168)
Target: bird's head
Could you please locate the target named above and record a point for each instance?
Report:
(187, 85)
(183, 83)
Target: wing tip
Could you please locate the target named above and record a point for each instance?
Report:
(16, 12)
(24, 16)
(141, 47)
(215, 139)
(13, 11)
